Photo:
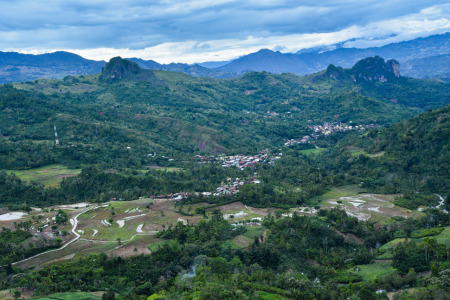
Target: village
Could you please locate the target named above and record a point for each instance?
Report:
(327, 129)
(241, 161)
(228, 188)
(231, 186)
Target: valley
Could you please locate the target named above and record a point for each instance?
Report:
(273, 185)
(218, 150)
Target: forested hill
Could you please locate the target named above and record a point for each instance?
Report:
(420, 148)
(100, 118)
(412, 157)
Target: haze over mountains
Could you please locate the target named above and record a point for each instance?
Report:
(421, 58)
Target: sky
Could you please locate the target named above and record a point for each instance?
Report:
(211, 30)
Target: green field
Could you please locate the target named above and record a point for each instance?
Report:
(392, 244)
(312, 151)
(339, 191)
(169, 169)
(113, 232)
(49, 176)
(70, 296)
(355, 151)
(253, 232)
(444, 236)
(372, 271)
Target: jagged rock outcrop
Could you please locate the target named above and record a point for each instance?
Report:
(118, 69)
(375, 69)
(394, 67)
(366, 70)
(337, 73)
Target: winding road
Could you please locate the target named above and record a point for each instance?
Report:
(441, 202)
(74, 222)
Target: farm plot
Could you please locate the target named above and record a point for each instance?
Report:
(49, 176)
(373, 207)
(373, 271)
(237, 211)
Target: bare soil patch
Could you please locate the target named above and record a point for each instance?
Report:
(242, 241)
(350, 236)
(162, 204)
(235, 206)
(131, 249)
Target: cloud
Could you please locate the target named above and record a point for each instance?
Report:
(199, 30)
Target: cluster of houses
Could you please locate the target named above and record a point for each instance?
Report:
(248, 161)
(327, 129)
(231, 187)
(240, 161)
(304, 140)
(228, 188)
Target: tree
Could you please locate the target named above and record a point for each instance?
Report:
(109, 295)
(17, 294)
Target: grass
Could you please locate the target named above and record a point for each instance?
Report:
(113, 232)
(268, 296)
(378, 154)
(372, 271)
(69, 296)
(242, 241)
(155, 246)
(155, 296)
(427, 232)
(444, 236)
(392, 243)
(311, 151)
(358, 152)
(47, 175)
(231, 245)
(388, 246)
(253, 232)
(339, 191)
(169, 169)
(355, 151)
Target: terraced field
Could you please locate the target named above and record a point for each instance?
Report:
(374, 207)
(128, 228)
(121, 228)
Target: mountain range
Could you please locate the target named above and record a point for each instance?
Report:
(420, 58)
(307, 62)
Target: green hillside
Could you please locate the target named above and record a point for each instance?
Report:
(164, 207)
(173, 114)
(411, 157)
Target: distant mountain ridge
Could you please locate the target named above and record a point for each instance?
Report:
(269, 61)
(421, 58)
(16, 67)
(307, 62)
(428, 67)
(194, 70)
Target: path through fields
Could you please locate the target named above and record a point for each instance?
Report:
(74, 222)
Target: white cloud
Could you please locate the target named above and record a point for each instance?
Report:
(211, 30)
